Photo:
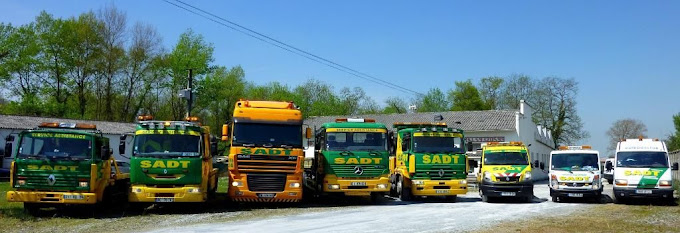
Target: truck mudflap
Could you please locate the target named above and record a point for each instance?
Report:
(356, 187)
(142, 193)
(633, 192)
(575, 193)
(52, 197)
(521, 189)
(439, 188)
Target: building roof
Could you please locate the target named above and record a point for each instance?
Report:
(30, 122)
(490, 120)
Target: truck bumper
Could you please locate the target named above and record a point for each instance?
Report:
(632, 192)
(243, 194)
(439, 188)
(52, 197)
(356, 187)
(570, 193)
(142, 193)
(520, 189)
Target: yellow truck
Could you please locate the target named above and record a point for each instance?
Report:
(505, 171)
(265, 160)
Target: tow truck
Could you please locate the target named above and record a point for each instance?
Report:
(505, 171)
(575, 173)
(62, 164)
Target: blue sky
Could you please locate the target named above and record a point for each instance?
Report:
(624, 54)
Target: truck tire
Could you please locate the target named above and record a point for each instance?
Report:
(529, 199)
(32, 209)
(451, 198)
(555, 199)
(404, 192)
(610, 181)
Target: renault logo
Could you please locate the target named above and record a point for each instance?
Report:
(441, 172)
(51, 179)
(358, 170)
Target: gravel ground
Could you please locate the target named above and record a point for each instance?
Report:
(467, 214)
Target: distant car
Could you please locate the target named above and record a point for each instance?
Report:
(608, 172)
(124, 167)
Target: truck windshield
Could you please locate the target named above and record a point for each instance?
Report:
(55, 146)
(167, 145)
(267, 135)
(505, 158)
(642, 159)
(574, 162)
(448, 145)
(355, 141)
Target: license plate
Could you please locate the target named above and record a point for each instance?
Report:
(442, 191)
(357, 184)
(643, 191)
(165, 199)
(74, 197)
(508, 194)
(575, 194)
(266, 195)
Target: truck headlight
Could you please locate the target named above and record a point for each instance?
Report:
(621, 182)
(21, 182)
(666, 183)
(527, 176)
(333, 186)
(294, 185)
(462, 182)
(418, 182)
(381, 186)
(487, 176)
(82, 183)
(237, 183)
(194, 190)
(136, 190)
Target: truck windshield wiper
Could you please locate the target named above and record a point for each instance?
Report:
(346, 153)
(286, 146)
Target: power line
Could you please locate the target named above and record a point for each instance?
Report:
(277, 43)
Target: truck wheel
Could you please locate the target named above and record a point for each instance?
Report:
(555, 199)
(451, 198)
(620, 200)
(610, 181)
(32, 209)
(529, 199)
(376, 197)
(404, 192)
(485, 198)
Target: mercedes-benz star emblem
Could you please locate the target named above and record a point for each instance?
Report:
(51, 179)
(358, 170)
(441, 172)
(165, 171)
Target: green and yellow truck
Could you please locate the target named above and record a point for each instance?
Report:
(171, 162)
(351, 157)
(62, 164)
(429, 160)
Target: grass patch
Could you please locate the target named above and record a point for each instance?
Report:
(603, 218)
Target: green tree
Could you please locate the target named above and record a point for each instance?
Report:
(113, 56)
(217, 94)
(191, 52)
(674, 140)
(84, 49)
(395, 105)
(55, 37)
(490, 91)
(465, 97)
(516, 88)
(433, 101)
(316, 98)
(144, 48)
(21, 68)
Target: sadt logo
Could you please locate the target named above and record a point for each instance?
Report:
(358, 170)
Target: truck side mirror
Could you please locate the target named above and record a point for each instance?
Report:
(675, 167)
(225, 132)
(105, 153)
(542, 165)
(121, 145)
(608, 165)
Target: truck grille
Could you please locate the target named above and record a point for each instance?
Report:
(437, 173)
(344, 171)
(268, 182)
(266, 163)
(61, 182)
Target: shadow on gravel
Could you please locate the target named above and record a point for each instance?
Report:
(604, 199)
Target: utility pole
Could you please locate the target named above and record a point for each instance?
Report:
(190, 86)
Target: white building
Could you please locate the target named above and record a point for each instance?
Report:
(480, 127)
(13, 125)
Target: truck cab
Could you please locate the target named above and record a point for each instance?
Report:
(575, 173)
(505, 171)
(352, 158)
(171, 161)
(60, 164)
(642, 169)
(428, 160)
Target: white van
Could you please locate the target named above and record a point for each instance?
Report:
(575, 173)
(642, 169)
